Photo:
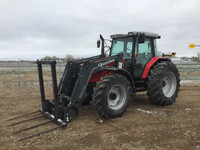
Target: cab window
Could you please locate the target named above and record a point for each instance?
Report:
(122, 45)
(143, 56)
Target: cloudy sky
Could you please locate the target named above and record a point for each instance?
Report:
(32, 29)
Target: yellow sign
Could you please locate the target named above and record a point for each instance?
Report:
(192, 45)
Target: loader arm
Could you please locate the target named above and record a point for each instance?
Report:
(75, 79)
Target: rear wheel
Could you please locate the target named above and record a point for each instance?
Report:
(112, 96)
(163, 83)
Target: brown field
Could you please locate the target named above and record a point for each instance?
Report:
(143, 126)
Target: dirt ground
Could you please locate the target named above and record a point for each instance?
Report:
(143, 126)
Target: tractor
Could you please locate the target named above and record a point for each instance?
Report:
(109, 81)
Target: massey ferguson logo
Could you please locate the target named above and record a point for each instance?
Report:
(105, 63)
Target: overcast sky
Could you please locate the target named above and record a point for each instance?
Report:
(32, 29)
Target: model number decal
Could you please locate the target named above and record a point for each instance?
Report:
(105, 63)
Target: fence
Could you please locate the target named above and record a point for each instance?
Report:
(189, 71)
(20, 73)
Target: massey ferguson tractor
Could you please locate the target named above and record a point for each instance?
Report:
(109, 81)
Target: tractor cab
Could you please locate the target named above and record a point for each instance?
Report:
(138, 48)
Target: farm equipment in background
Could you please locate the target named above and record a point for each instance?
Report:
(173, 54)
(109, 82)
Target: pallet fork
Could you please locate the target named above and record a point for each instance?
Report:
(45, 111)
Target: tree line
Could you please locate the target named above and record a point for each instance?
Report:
(66, 58)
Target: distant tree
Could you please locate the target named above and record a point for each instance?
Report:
(79, 58)
(69, 58)
(46, 58)
(198, 55)
(159, 54)
(185, 58)
(55, 58)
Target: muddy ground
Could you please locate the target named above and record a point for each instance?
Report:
(143, 126)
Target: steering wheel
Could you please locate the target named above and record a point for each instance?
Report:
(128, 52)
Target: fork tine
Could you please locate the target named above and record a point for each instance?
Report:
(31, 127)
(25, 120)
(41, 133)
(23, 115)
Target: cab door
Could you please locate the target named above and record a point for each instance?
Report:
(144, 52)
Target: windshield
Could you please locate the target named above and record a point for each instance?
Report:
(122, 45)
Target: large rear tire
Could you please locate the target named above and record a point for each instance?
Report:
(112, 96)
(163, 83)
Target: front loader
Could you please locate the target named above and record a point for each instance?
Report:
(109, 81)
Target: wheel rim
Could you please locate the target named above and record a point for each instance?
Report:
(116, 97)
(169, 84)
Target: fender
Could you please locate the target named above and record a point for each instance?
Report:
(151, 63)
(106, 71)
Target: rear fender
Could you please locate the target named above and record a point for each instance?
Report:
(151, 63)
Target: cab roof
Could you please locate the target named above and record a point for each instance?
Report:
(135, 33)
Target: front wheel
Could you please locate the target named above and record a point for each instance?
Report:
(112, 96)
(163, 83)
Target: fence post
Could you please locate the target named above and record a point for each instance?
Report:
(59, 70)
(18, 72)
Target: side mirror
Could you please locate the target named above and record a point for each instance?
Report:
(141, 38)
(98, 43)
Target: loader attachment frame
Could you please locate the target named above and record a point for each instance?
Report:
(48, 107)
(50, 110)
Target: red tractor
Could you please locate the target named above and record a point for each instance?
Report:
(110, 81)
(140, 69)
